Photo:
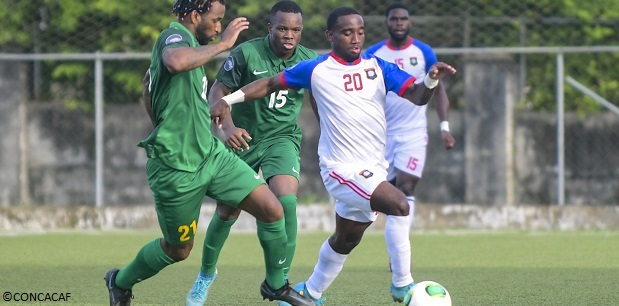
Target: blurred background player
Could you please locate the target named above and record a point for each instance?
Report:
(266, 135)
(186, 162)
(349, 92)
(407, 136)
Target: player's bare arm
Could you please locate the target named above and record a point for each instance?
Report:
(421, 93)
(442, 110)
(187, 58)
(234, 137)
(255, 90)
(146, 97)
(314, 106)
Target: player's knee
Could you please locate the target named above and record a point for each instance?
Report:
(270, 212)
(399, 208)
(344, 244)
(178, 252)
(227, 212)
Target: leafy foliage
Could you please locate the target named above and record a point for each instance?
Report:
(76, 26)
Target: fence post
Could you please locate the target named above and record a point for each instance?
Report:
(560, 132)
(99, 126)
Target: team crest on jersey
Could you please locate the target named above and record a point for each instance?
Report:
(174, 38)
(414, 61)
(229, 64)
(366, 173)
(370, 73)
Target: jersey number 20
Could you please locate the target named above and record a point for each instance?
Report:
(352, 82)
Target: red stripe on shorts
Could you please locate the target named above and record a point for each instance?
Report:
(358, 190)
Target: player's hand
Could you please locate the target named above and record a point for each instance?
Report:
(219, 110)
(440, 70)
(231, 33)
(448, 140)
(237, 138)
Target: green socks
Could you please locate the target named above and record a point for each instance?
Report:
(289, 203)
(150, 260)
(216, 235)
(273, 238)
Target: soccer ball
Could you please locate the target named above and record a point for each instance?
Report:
(429, 293)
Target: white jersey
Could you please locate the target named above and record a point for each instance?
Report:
(350, 98)
(416, 58)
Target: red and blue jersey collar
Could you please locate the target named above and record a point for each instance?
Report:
(343, 61)
(406, 45)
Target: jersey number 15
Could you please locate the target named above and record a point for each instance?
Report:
(278, 99)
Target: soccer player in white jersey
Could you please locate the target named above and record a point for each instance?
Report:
(348, 91)
(407, 136)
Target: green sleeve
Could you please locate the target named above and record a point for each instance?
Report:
(234, 68)
(174, 38)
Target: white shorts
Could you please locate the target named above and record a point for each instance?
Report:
(352, 186)
(406, 153)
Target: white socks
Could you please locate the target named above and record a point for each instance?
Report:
(326, 270)
(399, 247)
(411, 211)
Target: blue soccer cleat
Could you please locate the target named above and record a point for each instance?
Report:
(302, 290)
(402, 294)
(199, 292)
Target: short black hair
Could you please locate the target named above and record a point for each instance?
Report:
(337, 13)
(396, 5)
(286, 6)
(183, 7)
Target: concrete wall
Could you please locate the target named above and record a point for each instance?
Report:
(58, 164)
(320, 217)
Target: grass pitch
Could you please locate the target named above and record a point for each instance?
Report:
(487, 268)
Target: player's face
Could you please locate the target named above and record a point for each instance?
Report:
(285, 30)
(347, 37)
(209, 23)
(398, 24)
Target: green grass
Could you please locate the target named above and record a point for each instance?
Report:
(504, 268)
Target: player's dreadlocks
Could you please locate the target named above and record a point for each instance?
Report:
(183, 7)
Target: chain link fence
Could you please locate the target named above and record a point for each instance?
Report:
(49, 153)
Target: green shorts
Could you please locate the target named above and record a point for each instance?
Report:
(179, 194)
(274, 157)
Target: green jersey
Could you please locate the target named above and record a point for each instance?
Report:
(275, 115)
(181, 139)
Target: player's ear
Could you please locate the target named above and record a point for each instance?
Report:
(329, 35)
(194, 15)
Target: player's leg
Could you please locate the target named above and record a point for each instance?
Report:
(333, 254)
(392, 202)
(406, 183)
(281, 167)
(352, 187)
(237, 184)
(178, 197)
(407, 160)
(216, 235)
(262, 204)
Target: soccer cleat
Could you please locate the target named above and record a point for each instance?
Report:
(302, 290)
(282, 303)
(402, 294)
(118, 297)
(199, 292)
(286, 294)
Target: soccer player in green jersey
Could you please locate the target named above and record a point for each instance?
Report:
(264, 133)
(186, 162)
